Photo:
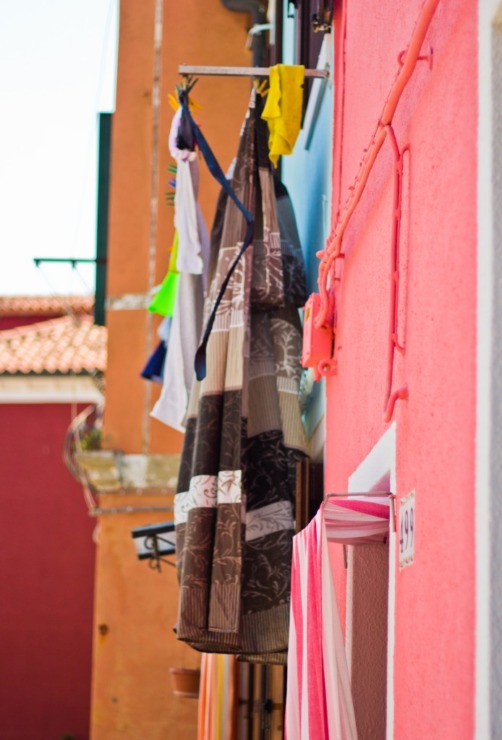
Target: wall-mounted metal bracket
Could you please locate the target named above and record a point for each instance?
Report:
(422, 58)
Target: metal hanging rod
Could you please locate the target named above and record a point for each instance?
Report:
(189, 69)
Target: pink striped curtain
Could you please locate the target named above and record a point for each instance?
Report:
(356, 521)
(319, 702)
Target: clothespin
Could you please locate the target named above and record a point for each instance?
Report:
(174, 103)
(262, 88)
(188, 82)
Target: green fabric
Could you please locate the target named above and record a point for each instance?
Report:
(165, 299)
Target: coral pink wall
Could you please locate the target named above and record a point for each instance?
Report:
(47, 575)
(437, 118)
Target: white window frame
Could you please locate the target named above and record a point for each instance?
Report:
(379, 463)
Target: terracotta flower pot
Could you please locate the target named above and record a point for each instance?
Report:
(185, 682)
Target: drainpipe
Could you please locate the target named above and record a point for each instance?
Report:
(258, 13)
(105, 130)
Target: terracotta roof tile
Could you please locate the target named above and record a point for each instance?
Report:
(65, 345)
(45, 305)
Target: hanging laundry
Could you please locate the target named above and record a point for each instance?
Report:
(192, 258)
(193, 239)
(188, 220)
(234, 506)
(353, 521)
(284, 108)
(318, 696)
(154, 368)
(164, 300)
(218, 706)
(163, 303)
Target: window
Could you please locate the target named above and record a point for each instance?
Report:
(313, 20)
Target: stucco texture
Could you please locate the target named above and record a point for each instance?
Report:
(436, 119)
(47, 572)
(135, 608)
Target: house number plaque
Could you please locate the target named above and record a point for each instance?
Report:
(407, 527)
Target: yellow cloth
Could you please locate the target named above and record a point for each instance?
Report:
(283, 109)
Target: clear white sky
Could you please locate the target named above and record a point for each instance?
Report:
(57, 71)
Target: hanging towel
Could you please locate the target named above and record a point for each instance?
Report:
(318, 696)
(354, 521)
(234, 503)
(283, 109)
(192, 260)
(185, 208)
(193, 243)
(186, 328)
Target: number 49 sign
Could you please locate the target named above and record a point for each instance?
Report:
(407, 523)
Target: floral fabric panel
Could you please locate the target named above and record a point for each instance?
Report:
(234, 509)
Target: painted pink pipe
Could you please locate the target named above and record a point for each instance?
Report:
(334, 241)
(402, 394)
(394, 272)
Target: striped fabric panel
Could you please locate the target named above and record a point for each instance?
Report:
(269, 519)
(287, 338)
(288, 385)
(218, 705)
(292, 427)
(346, 523)
(235, 587)
(194, 630)
(223, 322)
(225, 368)
(229, 487)
(277, 658)
(318, 696)
(262, 631)
(225, 603)
(269, 267)
(195, 539)
(193, 402)
(295, 654)
(262, 395)
(261, 367)
(202, 493)
(234, 371)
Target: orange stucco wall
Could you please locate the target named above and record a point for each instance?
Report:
(136, 608)
(189, 36)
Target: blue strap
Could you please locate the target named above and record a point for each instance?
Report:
(217, 173)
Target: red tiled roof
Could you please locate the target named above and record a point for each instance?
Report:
(67, 345)
(25, 305)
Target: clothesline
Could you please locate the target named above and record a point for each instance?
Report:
(189, 69)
